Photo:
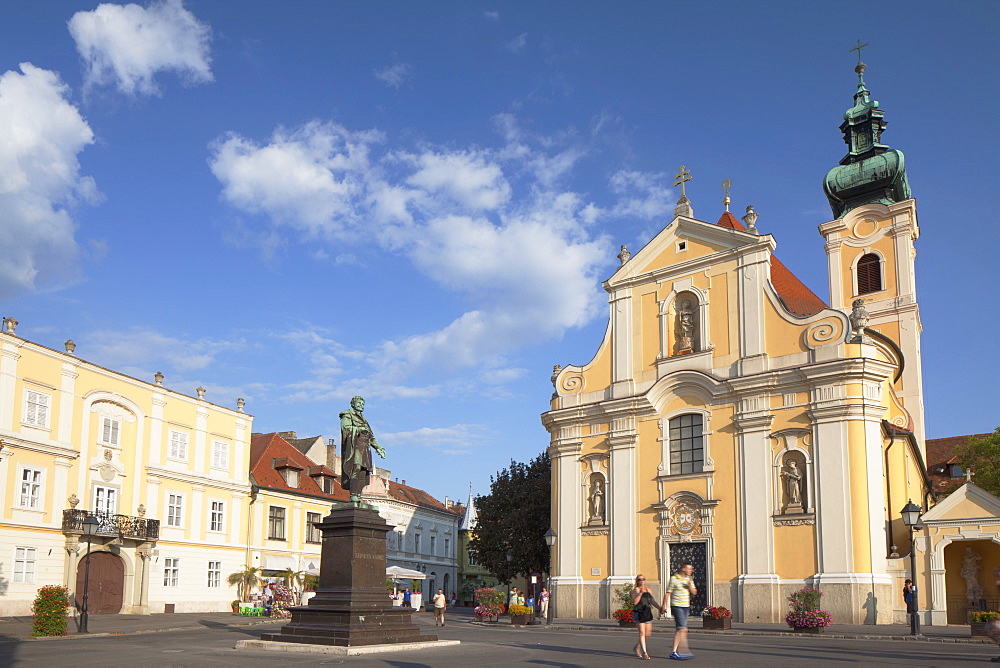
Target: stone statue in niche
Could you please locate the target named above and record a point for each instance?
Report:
(598, 513)
(970, 571)
(685, 327)
(793, 478)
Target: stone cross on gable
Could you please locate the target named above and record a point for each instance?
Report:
(683, 176)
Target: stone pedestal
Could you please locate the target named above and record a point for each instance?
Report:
(351, 606)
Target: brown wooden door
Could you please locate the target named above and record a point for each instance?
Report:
(107, 583)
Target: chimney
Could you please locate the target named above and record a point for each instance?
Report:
(447, 502)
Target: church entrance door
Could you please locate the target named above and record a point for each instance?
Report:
(695, 554)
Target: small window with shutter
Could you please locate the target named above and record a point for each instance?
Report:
(869, 274)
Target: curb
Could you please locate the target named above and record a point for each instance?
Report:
(109, 634)
(768, 634)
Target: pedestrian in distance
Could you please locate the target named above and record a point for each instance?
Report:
(454, 600)
(439, 606)
(909, 596)
(406, 597)
(512, 599)
(994, 630)
(543, 604)
(642, 613)
(678, 596)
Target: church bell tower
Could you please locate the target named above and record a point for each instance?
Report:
(870, 242)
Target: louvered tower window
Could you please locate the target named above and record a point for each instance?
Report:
(869, 274)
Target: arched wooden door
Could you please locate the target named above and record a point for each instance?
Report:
(107, 583)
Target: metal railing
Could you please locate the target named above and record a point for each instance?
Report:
(113, 525)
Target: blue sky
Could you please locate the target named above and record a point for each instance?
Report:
(417, 202)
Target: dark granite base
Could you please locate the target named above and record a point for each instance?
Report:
(318, 625)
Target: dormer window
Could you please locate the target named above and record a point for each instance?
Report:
(288, 470)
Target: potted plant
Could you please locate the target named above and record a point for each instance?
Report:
(623, 596)
(246, 581)
(236, 606)
(805, 615)
(981, 622)
(624, 616)
(521, 614)
(716, 619)
(490, 604)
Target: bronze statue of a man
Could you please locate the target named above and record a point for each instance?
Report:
(356, 442)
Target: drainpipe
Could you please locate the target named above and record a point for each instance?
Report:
(888, 491)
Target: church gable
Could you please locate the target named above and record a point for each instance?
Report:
(967, 502)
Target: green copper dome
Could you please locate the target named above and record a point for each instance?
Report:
(871, 171)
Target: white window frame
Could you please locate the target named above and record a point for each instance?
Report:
(273, 522)
(24, 564)
(217, 516)
(37, 408)
(109, 503)
(214, 574)
(111, 431)
(30, 493)
(416, 543)
(220, 455)
(433, 545)
(312, 532)
(171, 572)
(175, 510)
(177, 447)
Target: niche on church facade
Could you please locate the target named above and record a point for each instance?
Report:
(686, 324)
(595, 494)
(793, 479)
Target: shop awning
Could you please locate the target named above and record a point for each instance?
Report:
(404, 573)
(278, 562)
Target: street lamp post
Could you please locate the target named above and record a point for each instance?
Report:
(90, 525)
(911, 518)
(510, 557)
(550, 540)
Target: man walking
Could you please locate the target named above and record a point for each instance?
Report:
(678, 597)
(439, 605)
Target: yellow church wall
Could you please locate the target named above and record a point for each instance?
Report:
(795, 552)
(969, 509)
(718, 315)
(669, 256)
(594, 554)
(783, 337)
(725, 529)
(884, 246)
(597, 373)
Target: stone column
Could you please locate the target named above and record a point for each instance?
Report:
(621, 510)
(145, 554)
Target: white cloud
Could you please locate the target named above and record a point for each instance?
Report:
(394, 75)
(41, 133)
(492, 16)
(145, 351)
(312, 178)
(525, 259)
(128, 45)
(642, 195)
(467, 177)
(517, 44)
(457, 439)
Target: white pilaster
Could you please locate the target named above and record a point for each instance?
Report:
(622, 507)
(833, 488)
(8, 378)
(752, 274)
(200, 437)
(66, 402)
(621, 344)
(754, 452)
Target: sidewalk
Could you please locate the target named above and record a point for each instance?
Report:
(955, 633)
(19, 628)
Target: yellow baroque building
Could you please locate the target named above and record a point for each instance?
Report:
(165, 474)
(733, 419)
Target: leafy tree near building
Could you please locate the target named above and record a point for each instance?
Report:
(982, 456)
(514, 517)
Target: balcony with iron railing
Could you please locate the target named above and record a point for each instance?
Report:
(110, 524)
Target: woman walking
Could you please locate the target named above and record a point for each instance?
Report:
(642, 613)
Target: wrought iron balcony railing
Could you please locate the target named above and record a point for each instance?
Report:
(113, 525)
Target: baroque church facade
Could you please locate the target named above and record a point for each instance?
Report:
(734, 419)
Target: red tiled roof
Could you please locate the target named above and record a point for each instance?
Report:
(322, 469)
(940, 455)
(266, 450)
(798, 299)
(419, 497)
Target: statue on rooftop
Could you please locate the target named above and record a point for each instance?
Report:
(356, 444)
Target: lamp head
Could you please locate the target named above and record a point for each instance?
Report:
(509, 556)
(90, 525)
(911, 514)
(550, 537)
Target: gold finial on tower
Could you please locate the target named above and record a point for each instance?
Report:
(726, 185)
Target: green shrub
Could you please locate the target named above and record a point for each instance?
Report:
(623, 595)
(986, 616)
(50, 608)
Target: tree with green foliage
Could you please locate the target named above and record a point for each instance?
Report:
(513, 518)
(246, 581)
(982, 457)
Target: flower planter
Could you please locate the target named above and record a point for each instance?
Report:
(808, 629)
(521, 620)
(722, 624)
(489, 619)
(622, 622)
(980, 629)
